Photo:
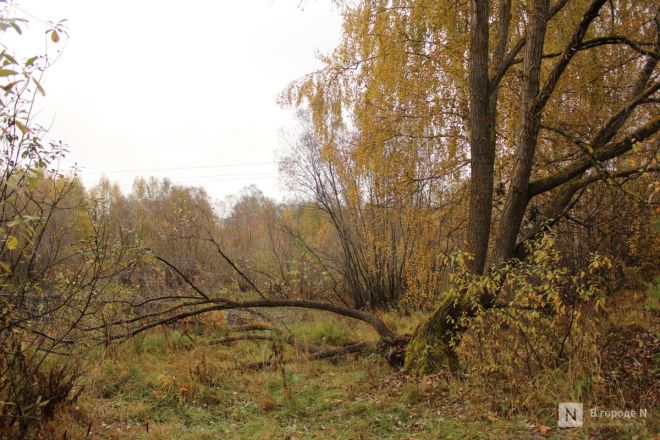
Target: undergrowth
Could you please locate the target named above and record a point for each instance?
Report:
(165, 385)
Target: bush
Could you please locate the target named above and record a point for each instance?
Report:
(31, 392)
(542, 331)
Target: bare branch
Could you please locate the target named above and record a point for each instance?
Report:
(225, 304)
(182, 275)
(604, 153)
(568, 53)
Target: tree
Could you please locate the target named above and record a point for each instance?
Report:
(544, 97)
(55, 257)
(389, 230)
(408, 103)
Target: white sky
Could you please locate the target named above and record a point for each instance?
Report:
(189, 87)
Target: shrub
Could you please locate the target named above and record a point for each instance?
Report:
(31, 392)
(543, 328)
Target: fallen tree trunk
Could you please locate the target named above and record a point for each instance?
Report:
(219, 304)
(429, 349)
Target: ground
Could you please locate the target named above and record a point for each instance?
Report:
(169, 385)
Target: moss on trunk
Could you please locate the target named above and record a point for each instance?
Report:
(433, 345)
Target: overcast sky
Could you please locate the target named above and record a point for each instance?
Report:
(180, 89)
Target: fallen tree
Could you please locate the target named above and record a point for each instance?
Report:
(132, 316)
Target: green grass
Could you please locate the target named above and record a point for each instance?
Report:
(653, 295)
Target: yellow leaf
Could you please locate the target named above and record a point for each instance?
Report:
(39, 87)
(11, 242)
(21, 126)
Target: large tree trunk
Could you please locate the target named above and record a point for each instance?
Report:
(534, 98)
(482, 143)
(433, 345)
(517, 198)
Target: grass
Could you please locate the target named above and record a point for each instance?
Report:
(653, 295)
(164, 385)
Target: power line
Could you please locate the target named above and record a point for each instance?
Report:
(209, 180)
(195, 177)
(248, 175)
(146, 170)
(204, 179)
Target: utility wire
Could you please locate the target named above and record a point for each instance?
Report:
(174, 180)
(265, 173)
(145, 170)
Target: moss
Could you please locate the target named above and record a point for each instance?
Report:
(432, 347)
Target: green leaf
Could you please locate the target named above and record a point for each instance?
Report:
(11, 243)
(11, 184)
(55, 36)
(36, 172)
(10, 58)
(7, 72)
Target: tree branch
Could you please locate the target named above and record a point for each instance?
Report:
(600, 41)
(510, 58)
(619, 39)
(378, 325)
(568, 53)
(604, 153)
(181, 274)
(562, 201)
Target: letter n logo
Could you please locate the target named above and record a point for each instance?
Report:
(570, 415)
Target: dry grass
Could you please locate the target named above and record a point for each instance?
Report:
(164, 385)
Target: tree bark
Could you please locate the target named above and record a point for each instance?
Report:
(482, 145)
(534, 99)
(518, 194)
(433, 345)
